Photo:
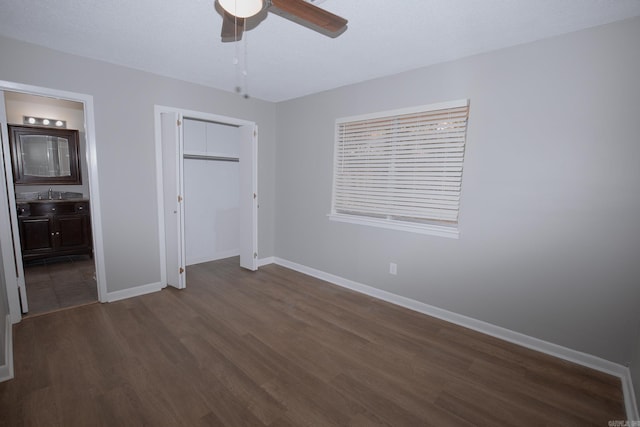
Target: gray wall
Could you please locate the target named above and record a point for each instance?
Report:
(124, 101)
(549, 225)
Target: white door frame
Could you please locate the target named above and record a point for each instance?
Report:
(248, 197)
(6, 182)
(173, 193)
(191, 114)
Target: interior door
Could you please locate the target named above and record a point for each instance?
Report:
(11, 253)
(248, 197)
(172, 147)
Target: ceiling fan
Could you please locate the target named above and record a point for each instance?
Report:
(236, 12)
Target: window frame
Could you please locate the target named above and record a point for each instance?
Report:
(430, 227)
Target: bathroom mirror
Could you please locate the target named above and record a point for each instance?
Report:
(44, 155)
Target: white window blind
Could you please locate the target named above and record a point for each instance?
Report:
(401, 166)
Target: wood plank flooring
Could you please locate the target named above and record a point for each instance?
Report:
(278, 348)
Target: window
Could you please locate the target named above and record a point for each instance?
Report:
(401, 169)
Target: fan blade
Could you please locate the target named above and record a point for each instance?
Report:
(310, 16)
(232, 28)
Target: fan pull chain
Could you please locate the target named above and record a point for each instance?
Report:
(241, 68)
(240, 59)
(245, 70)
(240, 62)
(236, 58)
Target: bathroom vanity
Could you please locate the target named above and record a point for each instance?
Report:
(51, 223)
(50, 228)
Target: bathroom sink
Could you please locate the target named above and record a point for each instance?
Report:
(31, 195)
(46, 195)
(67, 195)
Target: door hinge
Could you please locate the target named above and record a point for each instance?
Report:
(179, 199)
(181, 270)
(178, 122)
(255, 133)
(255, 196)
(255, 255)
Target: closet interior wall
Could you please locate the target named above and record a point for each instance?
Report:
(211, 190)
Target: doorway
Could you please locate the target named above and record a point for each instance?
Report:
(171, 157)
(50, 276)
(59, 271)
(211, 190)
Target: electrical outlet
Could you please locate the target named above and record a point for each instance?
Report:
(393, 268)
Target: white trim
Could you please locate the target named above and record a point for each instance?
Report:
(630, 402)
(532, 343)
(413, 227)
(13, 280)
(248, 196)
(199, 115)
(409, 110)
(134, 292)
(160, 193)
(6, 370)
(94, 198)
(266, 261)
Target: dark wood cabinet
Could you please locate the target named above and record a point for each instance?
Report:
(51, 228)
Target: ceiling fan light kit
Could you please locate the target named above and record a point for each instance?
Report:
(302, 12)
(242, 8)
(237, 13)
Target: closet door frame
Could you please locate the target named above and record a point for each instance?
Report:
(248, 183)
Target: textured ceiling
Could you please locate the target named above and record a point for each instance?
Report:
(180, 38)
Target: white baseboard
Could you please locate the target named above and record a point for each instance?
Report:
(6, 370)
(542, 346)
(630, 401)
(266, 261)
(134, 292)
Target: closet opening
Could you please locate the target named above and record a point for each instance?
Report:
(208, 197)
(211, 160)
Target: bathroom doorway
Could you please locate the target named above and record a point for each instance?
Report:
(40, 282)
(59, 270)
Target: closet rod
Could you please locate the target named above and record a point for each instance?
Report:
(204, 157)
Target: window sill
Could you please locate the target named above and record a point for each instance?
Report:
(430, 229)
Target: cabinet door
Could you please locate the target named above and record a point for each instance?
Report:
(72, 231)
(36, 234)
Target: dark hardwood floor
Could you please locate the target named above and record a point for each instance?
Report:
(279, 348)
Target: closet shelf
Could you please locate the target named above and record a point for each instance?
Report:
(211, 157)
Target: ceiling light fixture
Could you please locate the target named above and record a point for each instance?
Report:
(41, 121)
(242, 8)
